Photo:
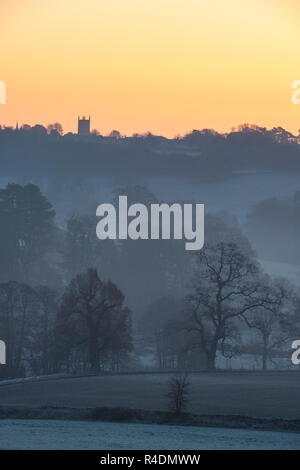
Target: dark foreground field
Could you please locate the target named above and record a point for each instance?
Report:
(254, 394)
(40, 434)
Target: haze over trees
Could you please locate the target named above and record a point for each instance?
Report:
(274, 227)
(70, 303)
(59, 313)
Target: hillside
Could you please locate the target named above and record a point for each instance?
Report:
(255, 394)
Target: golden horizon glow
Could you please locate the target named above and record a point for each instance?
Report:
(164, 66)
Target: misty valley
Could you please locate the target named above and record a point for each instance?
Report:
(120, 321)
(149, 230)
(145, 291)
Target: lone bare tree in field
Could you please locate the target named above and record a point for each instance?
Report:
(226, 285)
(178, 390)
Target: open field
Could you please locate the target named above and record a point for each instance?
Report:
(256, 394)
(32, 434)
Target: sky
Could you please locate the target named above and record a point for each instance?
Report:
(164, 66)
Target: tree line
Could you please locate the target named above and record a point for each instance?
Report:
(205, 154)
(70, 303)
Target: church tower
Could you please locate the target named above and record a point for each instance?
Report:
(84, 125)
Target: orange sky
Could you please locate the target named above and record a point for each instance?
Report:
(165, 66)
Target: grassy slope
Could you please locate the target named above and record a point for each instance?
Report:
(271, 394)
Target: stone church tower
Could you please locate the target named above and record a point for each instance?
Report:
(84, 125)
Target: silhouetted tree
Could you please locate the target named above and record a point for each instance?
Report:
(55, 128)
(40, 346)
(226, 285)
(178, 393)
(93, 310)
(27, 231)
(17, 303)
(162, 332)
(266, 322)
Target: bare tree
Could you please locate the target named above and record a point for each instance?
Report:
(178, 392)
(40, 346)
(159, 330)
(269, 320)
(17, 304)
(266, 324)
(226, 285)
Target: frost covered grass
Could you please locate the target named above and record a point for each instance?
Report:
(31, 434)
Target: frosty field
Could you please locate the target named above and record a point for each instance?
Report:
(31, 434)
